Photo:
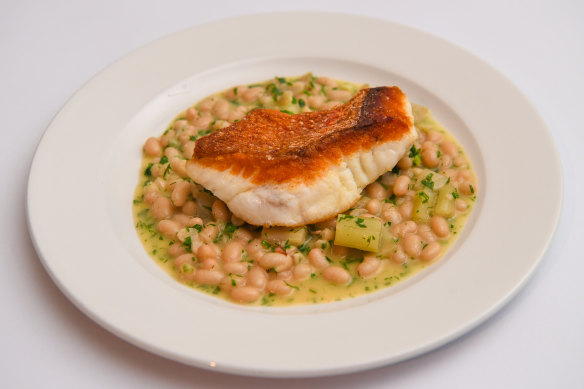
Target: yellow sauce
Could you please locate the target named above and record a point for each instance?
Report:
(315, 289)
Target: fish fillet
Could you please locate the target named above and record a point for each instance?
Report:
(276, 169)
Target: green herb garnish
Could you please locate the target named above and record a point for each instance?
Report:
(148, 170)
(229, 230)
(427, 182)
(188, 243)
(416, 155)
(292, 286)
(424, 197)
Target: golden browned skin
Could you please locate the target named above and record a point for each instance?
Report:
(270, 146)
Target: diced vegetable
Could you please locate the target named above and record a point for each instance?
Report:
(445, 202)
(363, 233)
(429, 179)
(388, 243)
(283, 235)
(423, 205)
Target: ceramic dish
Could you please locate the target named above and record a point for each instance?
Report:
(86, 166)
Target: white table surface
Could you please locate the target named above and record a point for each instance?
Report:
(48, 49)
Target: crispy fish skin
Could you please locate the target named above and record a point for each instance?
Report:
(272, 168)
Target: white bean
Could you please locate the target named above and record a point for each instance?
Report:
(232, 252)
(412, 245)
(152, 147)
(277, 261)
(180, 193)
(369, 267)
(208, 277)
(220, 211)
(373, 206)
(189, 208)
(221, 109)
(336, 275)
(431, 251)
(179, 166)
(162, 208)
(239, 268)
(245, 294)
(257, 277)
(279, 287)
(400, 186)
(191, 114)
(439, 226)
(338, 94)
(207, 251)
(302, 271)
(376, 191)
(317, 258)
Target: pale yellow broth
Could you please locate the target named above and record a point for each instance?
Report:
(315, 289)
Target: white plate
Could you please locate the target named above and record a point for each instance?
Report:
(84, 171)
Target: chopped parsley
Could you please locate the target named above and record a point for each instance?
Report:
(203, 132)
(292, 286)
(427, 182)
(163, 160)
(208, 191)
(423, 196)
(167, 170)
(268, 246)
(148, 170)
(416, 155)
(229, 230)
(188, 243)
(359, 222)
(392, 199)
(304, 248)
(274, 91)
(286, 245)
